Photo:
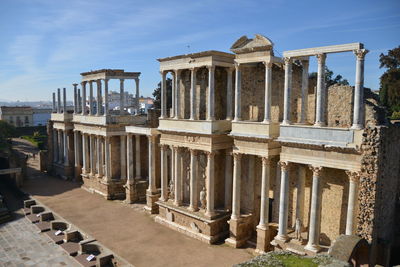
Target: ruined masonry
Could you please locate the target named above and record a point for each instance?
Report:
(251, 150)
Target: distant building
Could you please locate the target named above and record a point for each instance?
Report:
(41, 116)
(17, 116)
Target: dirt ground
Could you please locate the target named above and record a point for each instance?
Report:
(125, 229)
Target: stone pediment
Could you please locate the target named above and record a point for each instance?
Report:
(246, 45)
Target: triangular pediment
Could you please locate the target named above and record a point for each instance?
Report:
(258, 43)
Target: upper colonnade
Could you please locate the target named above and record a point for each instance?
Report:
(321, 93)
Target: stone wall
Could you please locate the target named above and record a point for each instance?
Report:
(379, 190)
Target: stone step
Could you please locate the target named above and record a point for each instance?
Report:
(296, 248)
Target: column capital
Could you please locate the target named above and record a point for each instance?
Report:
(163, 147)
(230, 69)
(210, 67)
(321, 58)
(237, 65)
(106, 79)
(284, 165)
(237, 155)
(354, 176)
(75, 85)
(211, 153)
(83, 83)
(305, 63)
(194, 69)
(266, 161)
(137, 79)
(121, 80)
(316, 170)
(228, 152)
(360, 53)
(163, 72)
(268, 64)
(194, 152)
(177, 148)
(177, 72)
(287, 60)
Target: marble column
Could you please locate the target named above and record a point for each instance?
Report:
(163, 95)
(90, 97)
(77, 154)
(83, 98)
(107, 156)
(64, 101)
(193, 93)
(178, 177)
(265, 181)
(321, 92)
(100, 155)
(58, 100)
(137, 104)
(79, 107)
(152, 162)
(92, 155)
(54, 103)
(354, 178)
(211, 93)
(210, 184)
(55, 145)
(137, 158)
(172, 112)
(301, 183)
(177, 94)
(358, 111)
(194, 192)
(229, 94)
(268, 92)
(228, 180)
(106, 97)
(164, 172)
(129, 159)
(304, 92)
(284, 202)
(237, 175)
(250, 181)
(75, 98)
(121, 96)
(85, 154)
(123, 156)
(238, 89)
(60, 146)
(99, 98)
(287, 91)
(315, 211)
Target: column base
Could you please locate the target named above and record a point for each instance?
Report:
(312, 248)
(135, 191)
(319, 124)
(356, 127)
(240, 231)
(282, 238)
(151, 205)
(263, 239)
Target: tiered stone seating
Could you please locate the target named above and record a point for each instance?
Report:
(44, 223)
(27, 206)
(34, 215)
(56, 227)
(100, 255)
(72, 240)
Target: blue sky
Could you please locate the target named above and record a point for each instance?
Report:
(45, 44)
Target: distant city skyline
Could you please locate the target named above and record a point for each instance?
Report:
(46, 44)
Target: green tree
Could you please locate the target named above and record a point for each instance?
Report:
(6, 132)
(330, 79)
(389, 91)
(157, 95)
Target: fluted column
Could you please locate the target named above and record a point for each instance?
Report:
(358, 111)
(152, 160)
(75, 98)
(58, 100)
(315, 211)
(92, 155)
(304, 91)
(229, 99)
(238, 93)
(83, 97)
(90, 97)
(177, 94)
(193, 181)
(287, 91)
(99, 98)
(265, 181)
(228, 180)
(354, 178)
(123, 156)
(121, 96)
(137, 158)
(268, 92)
(163, 94)
(164, 172)
(107, 156)
(105, 97)
(178, 177)
(210, 184)
(54, 103)
(321, 92)
(211, 93)
(137, 105)
(237, 174)
(284, 202)
(64, 100)
(129, 159)
(100, 154)
(193, 94)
